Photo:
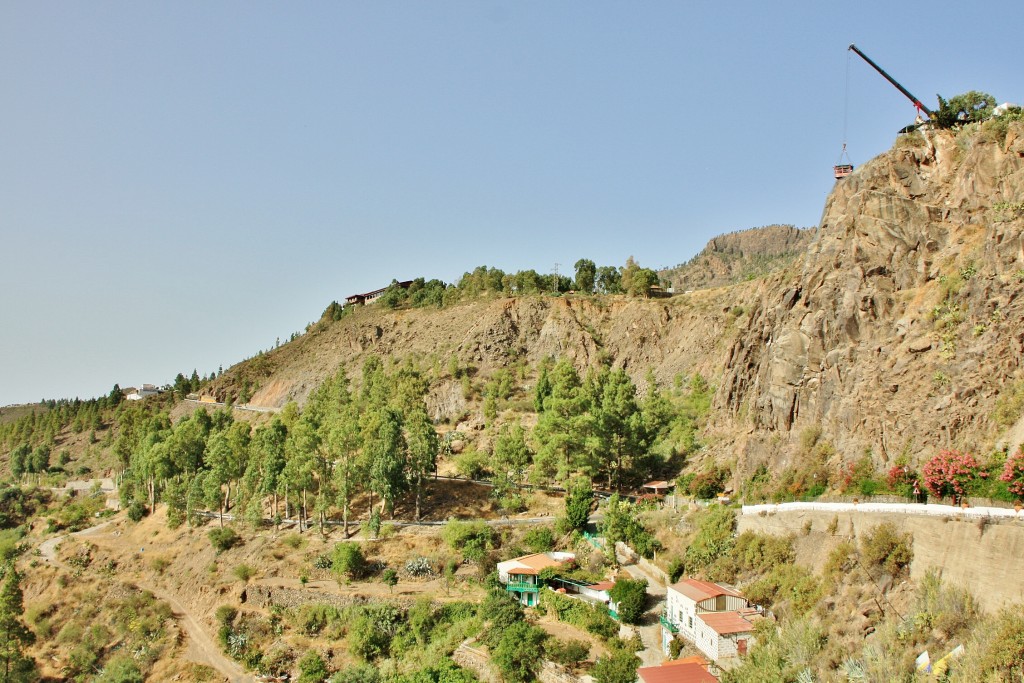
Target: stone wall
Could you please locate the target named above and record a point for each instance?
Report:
(981, 554)
(265, 596)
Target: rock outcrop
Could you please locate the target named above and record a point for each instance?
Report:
(905, 319)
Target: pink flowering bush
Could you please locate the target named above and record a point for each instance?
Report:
(950, 473)
(1013, 473)
(900, 479)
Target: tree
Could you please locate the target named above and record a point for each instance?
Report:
(421, 438)
(511, 458)
(618, 666)
(631, 598)
(347, 560)
(609, 280)
(970, 107)
(620, 436)
(949, 473)
(577, 505)
(559, 432)
(586, 275)
(344, 440)
(520, 652)
(390, 578)
(386, 452)
(15, 667)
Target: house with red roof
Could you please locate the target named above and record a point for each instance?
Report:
(688, 670)
(715, 618)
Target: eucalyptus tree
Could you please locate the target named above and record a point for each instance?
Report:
(421, 438)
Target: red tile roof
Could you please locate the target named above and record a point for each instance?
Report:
(699, 591)
(676, 672)
(725, 623)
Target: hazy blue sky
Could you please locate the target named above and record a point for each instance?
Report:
(183, 182)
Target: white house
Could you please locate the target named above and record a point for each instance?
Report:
(715, 618)
(143, 392)
(521, 574)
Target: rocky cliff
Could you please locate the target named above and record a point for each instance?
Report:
(903, 322)
(896, 331)
(738, 257)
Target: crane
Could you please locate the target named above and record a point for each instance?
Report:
(842, 170)
(917, 103)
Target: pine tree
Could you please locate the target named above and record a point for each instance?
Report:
(15, 667)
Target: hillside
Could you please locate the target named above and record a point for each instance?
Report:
(738, 257)
(898, 331)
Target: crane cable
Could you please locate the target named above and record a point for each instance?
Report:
(846, 110)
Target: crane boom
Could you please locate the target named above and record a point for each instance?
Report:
(909, 96)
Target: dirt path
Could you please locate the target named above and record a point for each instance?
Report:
(202, 649)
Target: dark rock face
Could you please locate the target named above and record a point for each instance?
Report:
(906, 318)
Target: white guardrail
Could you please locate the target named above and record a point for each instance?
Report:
(927, 509)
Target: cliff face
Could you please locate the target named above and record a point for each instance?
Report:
(739, 256)
(895, 331)
(905, 320)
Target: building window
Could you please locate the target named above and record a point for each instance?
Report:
(689, 623)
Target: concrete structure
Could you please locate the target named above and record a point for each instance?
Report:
(142, 392)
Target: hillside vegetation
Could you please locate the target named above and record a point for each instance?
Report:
(883, 357)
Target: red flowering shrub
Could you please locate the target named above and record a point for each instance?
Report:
(1013, 473)
(950, 472)
(901, 480)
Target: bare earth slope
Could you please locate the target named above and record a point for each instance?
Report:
(896, 331)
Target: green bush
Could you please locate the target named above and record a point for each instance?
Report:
(244, 572)
(472, 539)
(885, 548)
(566, 652)
(120, 669)
(312, 668)
(540, 539)
(223, 538)
(347, 561)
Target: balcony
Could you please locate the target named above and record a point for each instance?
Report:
(521, 586)
(669, 626)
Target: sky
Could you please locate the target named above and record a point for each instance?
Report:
(183, 183)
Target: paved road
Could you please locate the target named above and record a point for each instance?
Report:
(650, 627)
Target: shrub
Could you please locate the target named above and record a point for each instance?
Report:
(885, 548)
(950, 473)
(472, 539)
(293, 541)
(419, 566)
(714, 537)
(1013, 473)
(225, 615)
(120, 669)
(786, 585)
(618, 666)
(709, 484)
(566, 652)
(243, 572)
(539, 539)
(390, 578)
(348, 560)
(136, 511)
(471, 464)
(312, 668)
(223, 538)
